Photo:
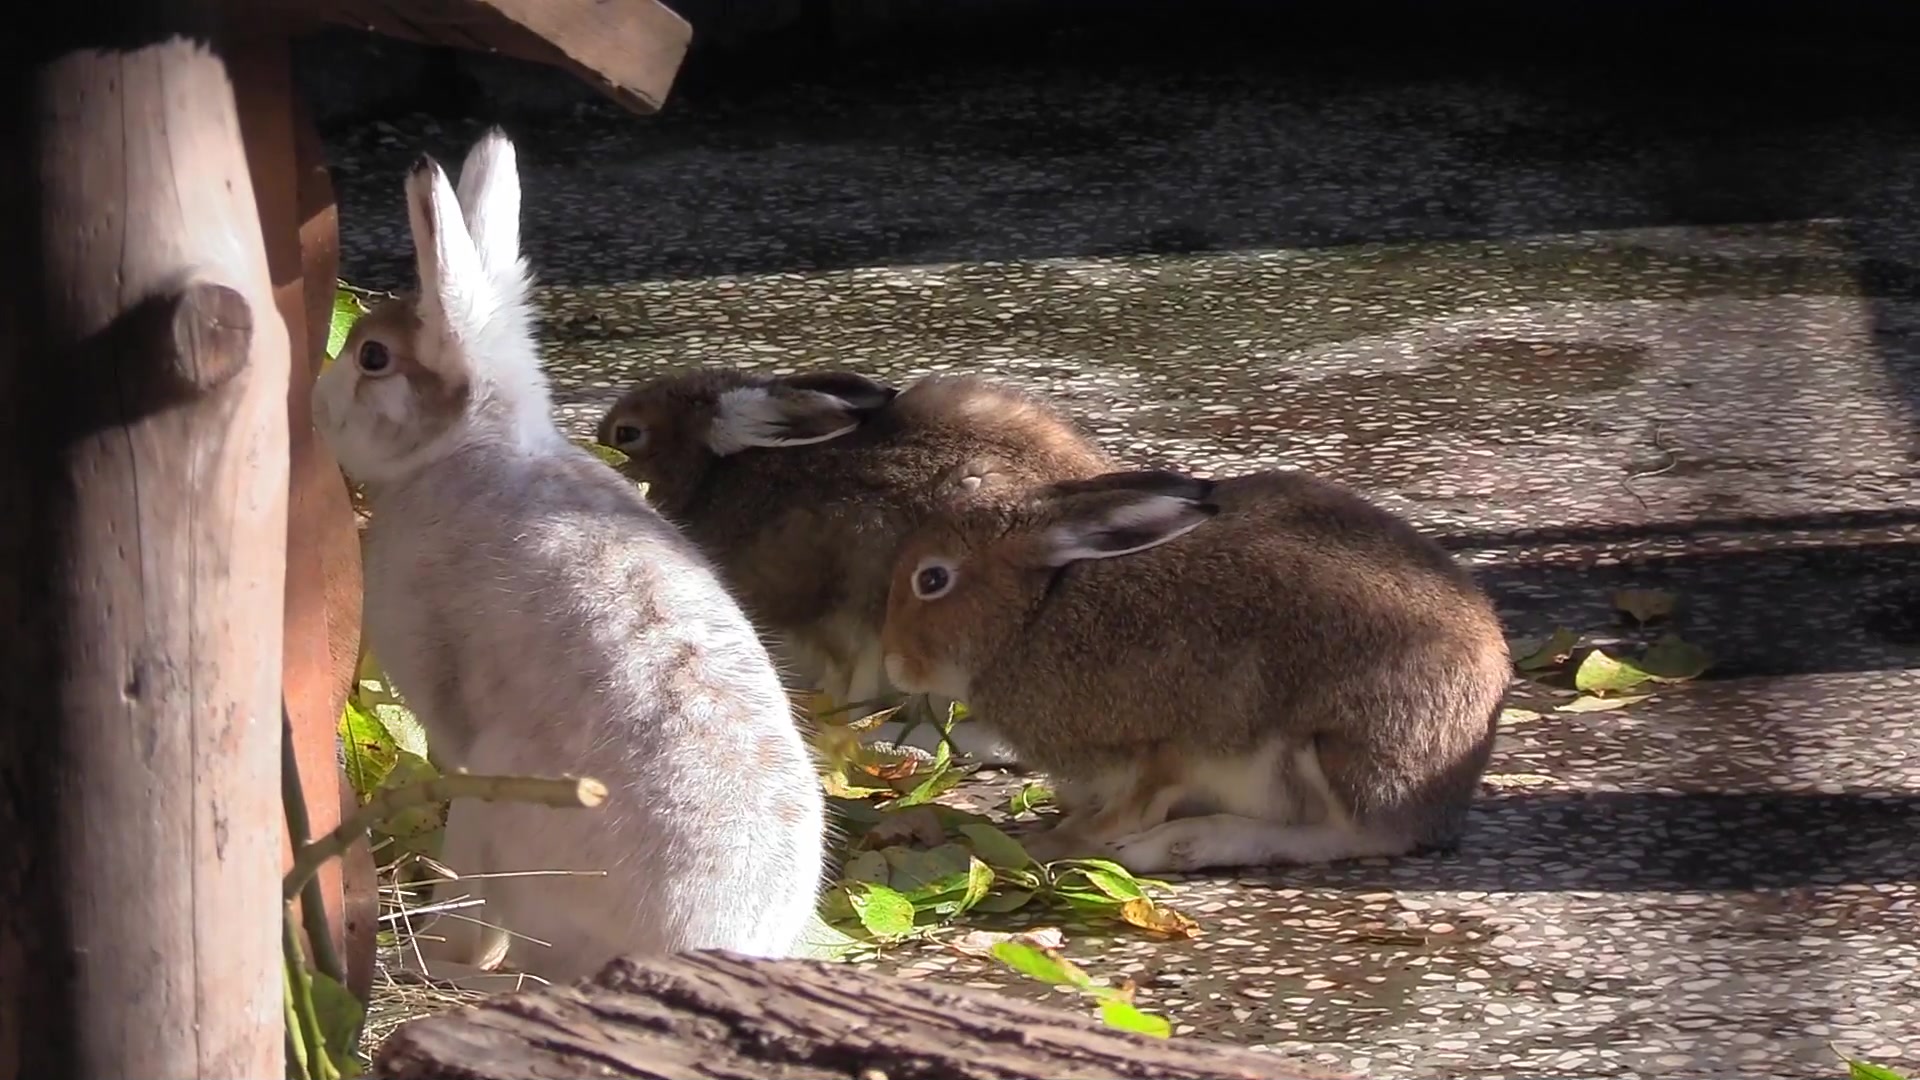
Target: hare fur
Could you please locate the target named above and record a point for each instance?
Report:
(802, 486)
(542, 619)
(1264, 669)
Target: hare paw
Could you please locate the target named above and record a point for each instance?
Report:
(1175, 845)
(1062, 843)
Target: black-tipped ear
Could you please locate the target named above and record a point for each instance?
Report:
(1108, 524)
(771, 417)
(862, 395)
(1139, 481)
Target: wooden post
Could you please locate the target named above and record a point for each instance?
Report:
(143, 483)
(300, 226)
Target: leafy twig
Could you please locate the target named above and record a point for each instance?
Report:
(567, 792)
(312, 1038)
(313, 908)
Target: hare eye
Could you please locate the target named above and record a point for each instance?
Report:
(374, 359)
(628, 436)
(932, 582)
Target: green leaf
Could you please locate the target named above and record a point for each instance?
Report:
(407, 732)
(1124, 1016)
(928, 876)
(819, 941)
(1109, 877)
(341, 1018)
(1589, 703)
(602, 451)
(417, 828)
(347, 310)
(979, 884)
(867, 866)
(1671, 660)
(1029, 797)
(1088, 900)
(1866, 1070)
(1004, 901)
(997, 848)
(366, 749)
(882, 911)
(1603, 674)
(1551, 653)
(1039, 964)
(943, 778)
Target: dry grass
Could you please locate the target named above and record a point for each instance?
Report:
(402, 991)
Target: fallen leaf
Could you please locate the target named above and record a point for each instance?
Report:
(1030, 797)
(918, 824)
(1867, 1070)
(980, 943)
(1148, 915)
(602, 451)
(1044, 964)
(1589, 703)
(1600, 673)
(1645, 605)
(995, 847)
(1671, 660)
(1551, 653)
(866, 866)
(883, 911)
(1518, 716)
(1124, 1016)
(1516, 780)
(1004, 901)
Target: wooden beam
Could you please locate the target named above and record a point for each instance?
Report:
(143, 473)
(721, 1016)
(630, 50)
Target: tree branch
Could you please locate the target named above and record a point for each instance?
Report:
(583, 792)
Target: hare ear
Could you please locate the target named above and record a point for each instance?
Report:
(1110, 524)
(864, 395)
(777, 416)
(490, 203)
(454, 291)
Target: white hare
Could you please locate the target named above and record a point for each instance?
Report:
(542, 619)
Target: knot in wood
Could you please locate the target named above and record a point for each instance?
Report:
(212, 327)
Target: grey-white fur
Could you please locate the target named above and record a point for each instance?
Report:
(542, 619)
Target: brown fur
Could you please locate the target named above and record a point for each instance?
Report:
(441, 398)
(805, 535)
(1295, 609)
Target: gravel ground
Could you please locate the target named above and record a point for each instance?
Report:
(1657, 332)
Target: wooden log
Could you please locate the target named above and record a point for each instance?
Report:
(143, 380)
(721, 1016)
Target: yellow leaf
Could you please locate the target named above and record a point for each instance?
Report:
(1515, 780)
(1161, 920)
(1602, 674)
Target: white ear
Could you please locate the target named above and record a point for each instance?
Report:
(490, 200)
(777, 416)
(454, 290)
(1111, 528)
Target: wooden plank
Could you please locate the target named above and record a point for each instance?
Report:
(298, 223)
(143, 380)
(630, 50)
(331, 526)
(723, 1016)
